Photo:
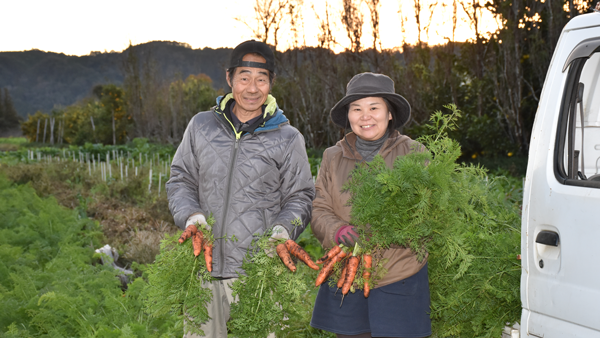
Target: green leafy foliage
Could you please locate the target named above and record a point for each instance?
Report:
(175, 285)
(272, 298)
(455, 214)
(50, 284)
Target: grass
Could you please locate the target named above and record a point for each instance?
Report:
(11, 143)
(13, 140)
(132, 220)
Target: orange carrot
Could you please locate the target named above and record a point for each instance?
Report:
(331, 253)
(297, 251)
(197, 242)
(328, 268)
(284, 254)
(367, 263)
(340, 282)
(351, 269)
(187, 233)
(208, 255)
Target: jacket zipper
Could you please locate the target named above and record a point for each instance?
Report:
(226, 204)
(227, 193)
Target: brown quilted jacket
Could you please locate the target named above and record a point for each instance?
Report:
(330, 207)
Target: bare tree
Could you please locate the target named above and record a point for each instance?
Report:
(403, 20)
(508, 76)
(45, 125)
(132, 84)
(432, 8)
(38, 131)
(325, 36)
(418, 21)
(268, 15)
(114, 136)
(52, 130)
(374, 7)
(473, 9)
(353, 20)
(294, 14)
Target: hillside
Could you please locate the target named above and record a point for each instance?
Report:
(40, 80)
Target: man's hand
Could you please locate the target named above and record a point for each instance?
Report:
(346, 235)
(278, 232)
(191, 230)
(197, 219)
(197, 238)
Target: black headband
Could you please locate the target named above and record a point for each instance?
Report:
(253, 64)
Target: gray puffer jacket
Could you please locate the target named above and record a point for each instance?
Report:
(249, 182)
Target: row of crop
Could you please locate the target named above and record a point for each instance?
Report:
(138, 154)
(50, 282)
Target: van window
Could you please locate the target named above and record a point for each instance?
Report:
(577, 151)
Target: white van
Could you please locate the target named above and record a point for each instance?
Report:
(560, 241)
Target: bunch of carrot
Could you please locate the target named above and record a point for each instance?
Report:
(199, 241)
(350, 264)
(290, 247)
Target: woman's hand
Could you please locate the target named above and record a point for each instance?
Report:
(346, 235)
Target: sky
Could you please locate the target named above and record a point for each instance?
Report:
(79, 27)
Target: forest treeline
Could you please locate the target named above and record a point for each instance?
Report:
(39, 80)
(495, 79)
(9, 118)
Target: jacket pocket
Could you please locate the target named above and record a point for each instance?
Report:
(406, 287)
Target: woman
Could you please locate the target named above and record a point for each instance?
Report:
(398, 306)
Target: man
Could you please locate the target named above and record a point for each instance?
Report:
(243, 163)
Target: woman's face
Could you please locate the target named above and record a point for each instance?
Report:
(369, 118)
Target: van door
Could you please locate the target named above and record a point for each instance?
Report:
(560, 283)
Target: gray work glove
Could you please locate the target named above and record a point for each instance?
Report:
(279, 232)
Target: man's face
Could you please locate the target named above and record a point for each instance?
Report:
(250, 87)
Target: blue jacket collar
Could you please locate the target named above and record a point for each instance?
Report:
(273, 115)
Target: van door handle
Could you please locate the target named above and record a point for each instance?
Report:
(547, 238)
